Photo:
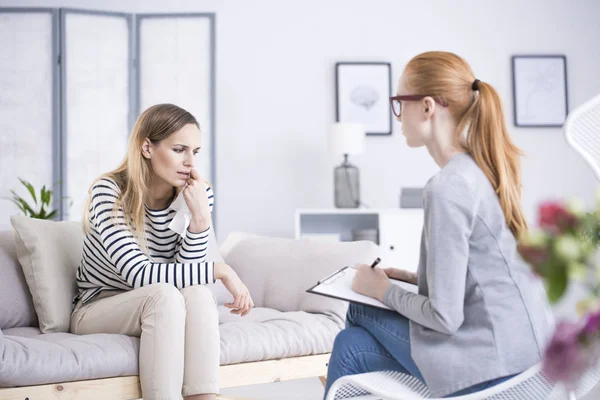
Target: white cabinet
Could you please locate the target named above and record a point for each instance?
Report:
(400, 237)
(399, 230)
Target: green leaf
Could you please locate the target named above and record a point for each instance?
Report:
(47, 194)
(15, 195)
(19, 205)
(27, 208)
(22, 204)
(30, 188)
(557, 280)
(51, 215)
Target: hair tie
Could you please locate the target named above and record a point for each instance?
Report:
(475, 85)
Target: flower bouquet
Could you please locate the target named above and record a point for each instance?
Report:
(563, 250)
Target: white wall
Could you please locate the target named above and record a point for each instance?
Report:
(275, 92)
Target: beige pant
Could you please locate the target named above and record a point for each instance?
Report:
(178, 331)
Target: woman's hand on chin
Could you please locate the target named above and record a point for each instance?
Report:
(196, 198)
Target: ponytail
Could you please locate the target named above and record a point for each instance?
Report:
(490, 145)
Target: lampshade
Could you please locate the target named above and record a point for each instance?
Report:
(346, 138)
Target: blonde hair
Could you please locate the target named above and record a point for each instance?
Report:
(134, 175)
(480, 116)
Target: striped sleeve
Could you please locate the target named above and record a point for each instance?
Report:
(128, 259)
(194, 246)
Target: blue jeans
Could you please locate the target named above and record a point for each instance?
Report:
(378, 340)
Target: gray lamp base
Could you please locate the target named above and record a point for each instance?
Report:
(346, 185)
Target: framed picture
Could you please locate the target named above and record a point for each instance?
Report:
(362, 95)
(540, 90)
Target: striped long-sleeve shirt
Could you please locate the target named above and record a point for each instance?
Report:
(113, 260)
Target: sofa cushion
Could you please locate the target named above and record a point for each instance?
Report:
(267, 334)
(278, 271)
(28, 357)
(23, 331)
(49, 253)
(31, 358)
(16, 304)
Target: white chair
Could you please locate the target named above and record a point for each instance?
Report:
(529, 385)
(582, 132)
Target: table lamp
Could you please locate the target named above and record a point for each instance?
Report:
(346, 139)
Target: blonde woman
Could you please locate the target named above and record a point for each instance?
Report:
(139, 278)
(480, 316)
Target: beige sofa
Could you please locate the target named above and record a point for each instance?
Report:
(289, 334)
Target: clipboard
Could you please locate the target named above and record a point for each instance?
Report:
(338, 285)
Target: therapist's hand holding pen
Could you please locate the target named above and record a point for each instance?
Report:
(371, 281)
(374, 282)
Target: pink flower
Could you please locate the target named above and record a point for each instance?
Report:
(554, 217)
(563, 360)
(592, 325)
(571, 352)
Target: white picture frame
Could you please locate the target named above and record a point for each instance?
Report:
(362, 95)
(540, 90)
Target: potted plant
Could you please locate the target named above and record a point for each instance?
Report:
(41, 207)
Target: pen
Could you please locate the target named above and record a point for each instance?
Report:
(377, 261)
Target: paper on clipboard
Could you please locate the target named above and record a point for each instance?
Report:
(339, 286)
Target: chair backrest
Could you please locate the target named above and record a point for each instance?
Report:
(582, 131)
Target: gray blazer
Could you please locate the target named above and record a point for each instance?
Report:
(480, 314)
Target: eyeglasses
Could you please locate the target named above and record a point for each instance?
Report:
(395, 102)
